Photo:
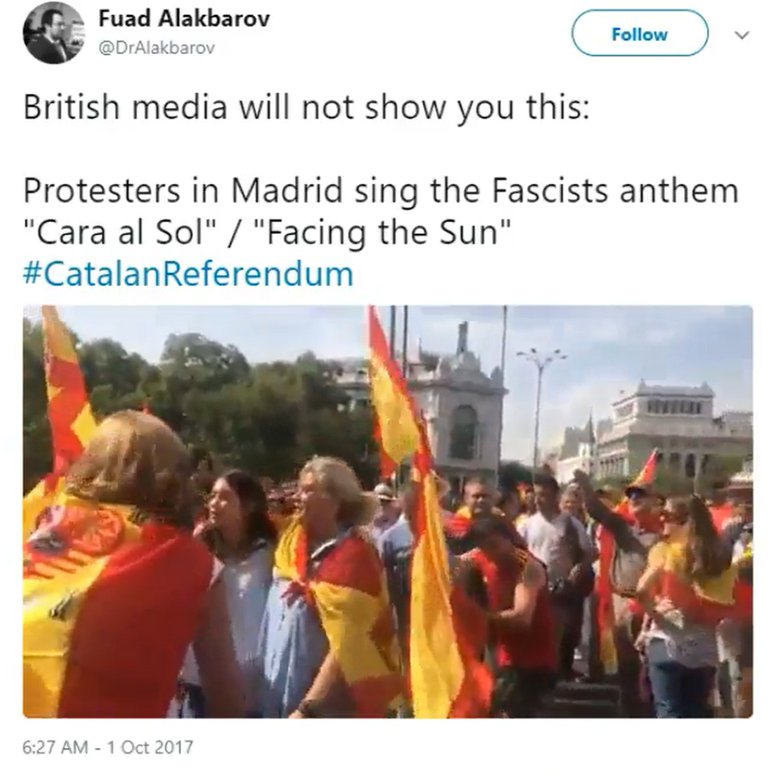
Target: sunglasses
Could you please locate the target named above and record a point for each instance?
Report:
(671, 518)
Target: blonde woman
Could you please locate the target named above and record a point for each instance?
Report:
(116, 588)
(327, 639)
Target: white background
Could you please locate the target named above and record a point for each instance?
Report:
(700, 118)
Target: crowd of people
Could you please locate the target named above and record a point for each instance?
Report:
(241, 633)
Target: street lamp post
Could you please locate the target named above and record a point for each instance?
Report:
(540, 362)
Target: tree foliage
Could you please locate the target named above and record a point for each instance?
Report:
(267, 418)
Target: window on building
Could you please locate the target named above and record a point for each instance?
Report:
(705, 463)
(698, 408)
(464, 433)
(674, 461)
(690, 465)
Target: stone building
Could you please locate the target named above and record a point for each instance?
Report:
(461, 404)
(577, 452)
(679, 421)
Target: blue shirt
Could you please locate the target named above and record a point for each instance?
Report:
(396, 548)
(397, 538)
(292, 644)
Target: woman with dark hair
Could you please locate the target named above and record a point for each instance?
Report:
(506, 580)
(687, 590)
(509, 504)
(242, 537)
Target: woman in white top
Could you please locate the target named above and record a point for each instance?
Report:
(680, 644)
(241, 535)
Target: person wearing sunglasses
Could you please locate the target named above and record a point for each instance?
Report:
(634, 534)
(688, 579)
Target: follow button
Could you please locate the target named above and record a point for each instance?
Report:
(640, 33)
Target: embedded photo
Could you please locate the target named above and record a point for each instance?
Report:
(387, 512)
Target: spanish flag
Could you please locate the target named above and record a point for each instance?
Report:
(69, 415)
(349, 592)
(387, 466)
(111, 603)
(703, 601)
(447, 677)
(396, 424)
(605, 619)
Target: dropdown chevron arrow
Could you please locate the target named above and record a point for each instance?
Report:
(742, 35)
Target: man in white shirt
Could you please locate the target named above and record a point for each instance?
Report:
(560, 541)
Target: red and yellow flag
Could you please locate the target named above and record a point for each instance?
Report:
(706, 601)
(387, 466)
(109, 609)
(69, 415)
(605, 618)
(349, 592)
(447, 678)
(396, 424)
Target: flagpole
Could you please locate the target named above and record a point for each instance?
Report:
(404, 367)
(503, 359)
(392, 330)
(404, 354)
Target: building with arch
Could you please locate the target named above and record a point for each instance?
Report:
(680, 422)
(461, 404)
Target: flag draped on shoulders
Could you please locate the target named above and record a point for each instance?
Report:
(69, 414)
(607, 547)
(705, 601)
(110, 607)
(349, 592)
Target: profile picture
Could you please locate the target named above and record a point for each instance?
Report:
(54, 33)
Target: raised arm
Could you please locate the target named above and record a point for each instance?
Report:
(612, 522)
